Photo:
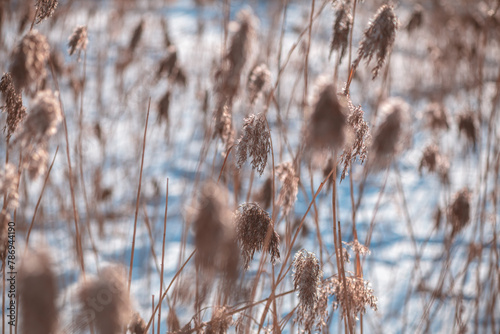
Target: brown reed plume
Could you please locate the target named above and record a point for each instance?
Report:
(459, 211)
(353, 295)
(38, 295)
(416, 19)
(358, 148)
(468, 126)
(341, 29)
(105, 301)
(436, 117)
(16, 112)
(255, 142)
(78, 40)
(29, 59)
(258, 80)
(389, 138)
(434, 162)
(9, 182)
(45, 9)
(215, 234)
(137, 324)
(307, 276)
(327, 124)
(290, 186)
(220, 321)
(265, 194)
(378, 38)
(253, 224)
(136, 37)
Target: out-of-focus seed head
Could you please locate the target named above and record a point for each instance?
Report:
(9, 180)
(265, 194)
(290, 186)
(258, 80)
(459, 211)
(43, 119)
(307, 276)
(392, 131)
(436, 117)
(215, 234)
(354, 295)
(468, 125)
(255, 142)
(78, 40)
(378, 38)
(341, 29)
(220, 321)
(136, 37)
(416, 19)
(163, 107)
(327, 124)
(137, 324)
(45, 9)
(110, 291)
(253, 225)
(29, 59)
(358, 248)
(16, 112)
(38, 294)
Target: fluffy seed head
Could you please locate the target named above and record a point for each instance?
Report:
(78, 40)
(29, 60)
(467, 124)
(110, 291)
(378, 38)
(255, 143)
(341, 28)
(16, 112)
(389, 135)
(45, 9)
(306, 277)
(220, 321)
(253, 224)
(290, 186)
(137, 325)
(436, 117)
(8, 186)
(459, 210)
(354, 295)
(38, 293)
(215, 235)
(258, 79)
(327, 124)
(357, 247)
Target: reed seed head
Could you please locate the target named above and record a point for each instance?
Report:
(265, 194)
(378, 38)
(307, 278)
(258, 80)
(253, 227)
(255, 142)
(354, 295)
(38, 295)
(78, 40)
(106, 302)
(290, 186)
(45, 9)
(468, 125)
(459, 210)
(137, 324)
(341, 29)
(436, 117)
(29, 60)
(327, 124)
(16, 112)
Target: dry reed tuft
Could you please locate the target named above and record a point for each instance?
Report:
(38, 295)
(378, 38)
(9, 180)
(29, 60)
(255, 142)
(265, 194)
(163, 107)
(106, 302)
(137, 325)
(253, 225)
(220, 322)
(290, 186)
(357, 247)
(468, 125)
(78, 40)
(354, 295)
(215, 234)
(172, 320)
(416, 19)
(436, 117)
(45, 9)
(43, 119)
(459, 211)
(341, 29)
(316, 318)
(390, 134)
(16, 112)
(362, 138)
(433, 161)
(224, 126)
(258, 79)
(136, 37)
(327, 124)
(307, 276)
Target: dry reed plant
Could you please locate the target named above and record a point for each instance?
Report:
(341, 29)
(353, 295)
(265, 194)
(290, 186)
(105, 301)
(16, 112)
(38, 294)
(436, 117)
(45, 9)
(467, 125)
(29, 59)
(378, 38)
(459, 211)
(78, 40)
(253, 227)
(255, 142)
(258, 80)
(137, 325)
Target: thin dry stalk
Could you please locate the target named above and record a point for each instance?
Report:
(163, 255)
